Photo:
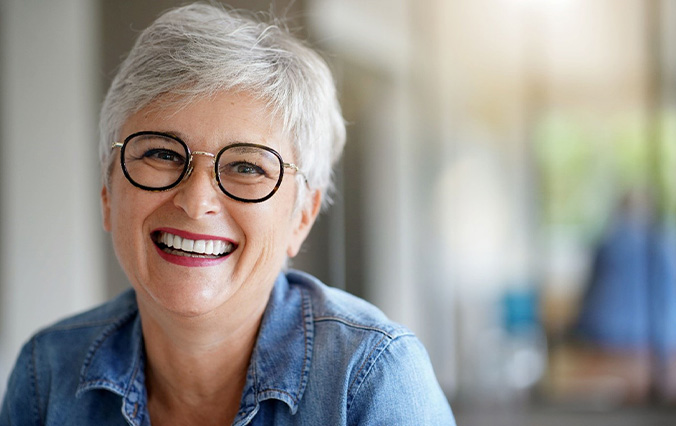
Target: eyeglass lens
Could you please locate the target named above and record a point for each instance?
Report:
(245, 172)
(248, 172)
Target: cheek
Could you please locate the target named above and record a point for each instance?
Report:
(122, 230)
(128, 209)
(267, 233)
(121, 213)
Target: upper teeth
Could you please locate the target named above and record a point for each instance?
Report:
(215, 247)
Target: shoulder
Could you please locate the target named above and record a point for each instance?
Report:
(65, 343)
(332, 305)
(49, 364)
(399, 387)
(61, 349)
(348, 332)
(381, 368)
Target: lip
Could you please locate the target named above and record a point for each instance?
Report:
(191, 261)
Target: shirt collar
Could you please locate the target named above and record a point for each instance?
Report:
(279, 367)
(115, 362)
(280, 363)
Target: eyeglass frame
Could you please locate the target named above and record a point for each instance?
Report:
(188, 167)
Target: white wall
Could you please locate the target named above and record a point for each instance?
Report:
(51, 251)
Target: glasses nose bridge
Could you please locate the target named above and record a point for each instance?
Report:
(191, 162)
(206, 154)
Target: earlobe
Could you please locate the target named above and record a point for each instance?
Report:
(304, 223)
(105, 208)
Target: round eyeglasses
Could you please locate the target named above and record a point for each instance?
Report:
(246, 172)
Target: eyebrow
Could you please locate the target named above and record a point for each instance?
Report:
(183, 137)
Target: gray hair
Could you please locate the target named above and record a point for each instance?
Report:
(199, 50)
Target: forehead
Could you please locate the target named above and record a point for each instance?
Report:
(211, 122)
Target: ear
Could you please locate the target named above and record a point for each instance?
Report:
(105, 208)
(304, 221)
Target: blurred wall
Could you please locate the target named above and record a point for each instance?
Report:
(51, 257)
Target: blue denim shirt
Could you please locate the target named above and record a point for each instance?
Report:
(323, 357)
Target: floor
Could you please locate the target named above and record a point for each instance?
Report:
(557, 416)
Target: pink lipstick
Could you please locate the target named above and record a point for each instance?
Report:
(189, 249)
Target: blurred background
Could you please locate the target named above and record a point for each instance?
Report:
(508, 188)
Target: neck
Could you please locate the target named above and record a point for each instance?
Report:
(197, 366)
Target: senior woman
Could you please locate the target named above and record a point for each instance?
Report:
(218, 136)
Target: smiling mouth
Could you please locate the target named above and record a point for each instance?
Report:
(178, 246)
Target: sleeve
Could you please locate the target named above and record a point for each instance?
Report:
(400, 388)
(20, 404)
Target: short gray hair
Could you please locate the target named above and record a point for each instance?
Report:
(198, 50)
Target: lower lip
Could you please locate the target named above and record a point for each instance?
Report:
(189, 261)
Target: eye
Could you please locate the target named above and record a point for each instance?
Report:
(244, 168)
(247, 165)
(164, 155)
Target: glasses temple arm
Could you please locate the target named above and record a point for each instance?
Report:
(295, 169)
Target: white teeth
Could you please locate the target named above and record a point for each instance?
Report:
(209, 247)
(187, 244)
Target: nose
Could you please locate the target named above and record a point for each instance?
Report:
(198, 195)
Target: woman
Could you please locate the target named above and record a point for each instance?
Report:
(218, 136)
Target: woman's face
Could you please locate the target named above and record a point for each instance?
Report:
(256, 237)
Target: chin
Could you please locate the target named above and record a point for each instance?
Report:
(189, 302)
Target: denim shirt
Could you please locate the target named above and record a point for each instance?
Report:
(322, 357)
